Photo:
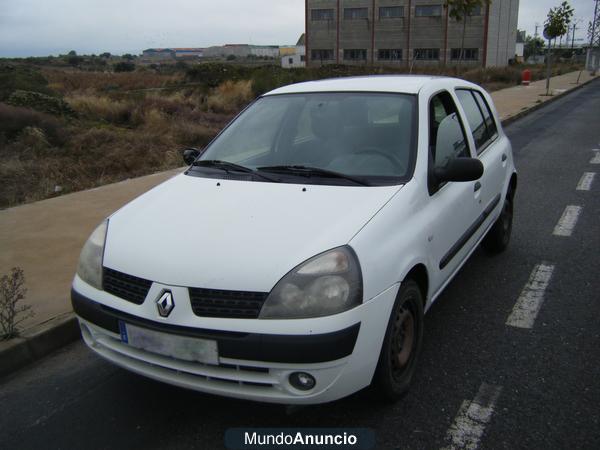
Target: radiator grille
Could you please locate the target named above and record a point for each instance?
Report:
(227, 304)
(127, 287)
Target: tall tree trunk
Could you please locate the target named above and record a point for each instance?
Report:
(462, 43)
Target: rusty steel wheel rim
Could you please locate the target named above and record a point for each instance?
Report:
(403, 340)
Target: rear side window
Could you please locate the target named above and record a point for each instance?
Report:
(487, 114)
(479, 117)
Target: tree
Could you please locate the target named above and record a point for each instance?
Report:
(72, 53)
(556, 25)
(74, 60)
(460, 10)
(105, 55)
(558, 21)
(533, 46)
(128, 57)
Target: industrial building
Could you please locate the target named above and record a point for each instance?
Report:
(161, 54)
(242, 51)
(419, 32)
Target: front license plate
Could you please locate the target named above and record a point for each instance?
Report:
(178, 347)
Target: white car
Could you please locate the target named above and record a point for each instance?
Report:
(294, 260)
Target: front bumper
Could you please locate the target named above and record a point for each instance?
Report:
(252, 365)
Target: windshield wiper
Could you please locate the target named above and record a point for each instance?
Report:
(225, 165)
(230, 167)
(316, 171)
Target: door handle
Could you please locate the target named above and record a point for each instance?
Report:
(477, 186)
(504, 157)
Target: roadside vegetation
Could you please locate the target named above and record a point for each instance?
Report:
(80, 122)
(12, 310)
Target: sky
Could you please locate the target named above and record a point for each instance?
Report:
(44, 27)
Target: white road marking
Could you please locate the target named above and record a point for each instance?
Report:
(568, 220)
(531, 299)
(585, 184)
(596, 158)
(469, 424)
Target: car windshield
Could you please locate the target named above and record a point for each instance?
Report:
(364, 136)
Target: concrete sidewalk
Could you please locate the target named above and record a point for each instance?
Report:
(513, 102)
(45, 238)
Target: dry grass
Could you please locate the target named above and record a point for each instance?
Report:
(231, 96)
(111, 139)
(103, 108)
(69, 82)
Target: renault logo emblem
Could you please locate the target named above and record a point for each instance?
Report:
(165, 304)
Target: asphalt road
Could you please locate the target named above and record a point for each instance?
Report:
(549, 375)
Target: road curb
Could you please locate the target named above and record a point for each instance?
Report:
(55, 333)
(538, 106)
(37, 342)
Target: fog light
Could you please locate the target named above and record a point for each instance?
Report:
(302, 381)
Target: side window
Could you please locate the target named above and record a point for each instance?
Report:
(492, 130)
(447, 139)
(474, 117)
(479, 117)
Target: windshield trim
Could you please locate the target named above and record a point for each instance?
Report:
(374, 180)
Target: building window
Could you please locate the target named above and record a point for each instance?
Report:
(290, 60)
(427, 54)
(391, 12)
(355, 54)
(428, 11)
(476, 11)
(356, 13)
(302, 58)
(389, 54)
(321, 14)
(469, 54)
(321, 55)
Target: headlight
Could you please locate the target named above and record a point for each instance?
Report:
(327, 284)
(89, 268)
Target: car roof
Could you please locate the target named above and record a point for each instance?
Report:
(405, 84)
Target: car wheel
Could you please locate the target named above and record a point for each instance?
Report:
(498, 237)
(401, 345)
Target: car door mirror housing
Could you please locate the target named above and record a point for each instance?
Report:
(190, 155)
(459, 169)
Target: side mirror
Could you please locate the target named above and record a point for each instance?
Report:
(190, 155)
(459, 169)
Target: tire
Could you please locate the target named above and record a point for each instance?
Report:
(497, 239)
(402, 344)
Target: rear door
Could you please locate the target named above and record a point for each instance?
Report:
(490, 150)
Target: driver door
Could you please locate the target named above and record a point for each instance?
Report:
(453, 206)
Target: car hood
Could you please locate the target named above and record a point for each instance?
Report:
(234, 235)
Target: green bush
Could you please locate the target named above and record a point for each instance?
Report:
(214, 74)
(124, 67)
(40, 102)
(14, 120)
(17, 77)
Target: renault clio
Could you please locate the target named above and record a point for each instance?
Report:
(294, 259)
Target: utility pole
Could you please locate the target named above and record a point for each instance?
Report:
(593, 37)
(537, 25)
(593, 34)
(573, 37)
